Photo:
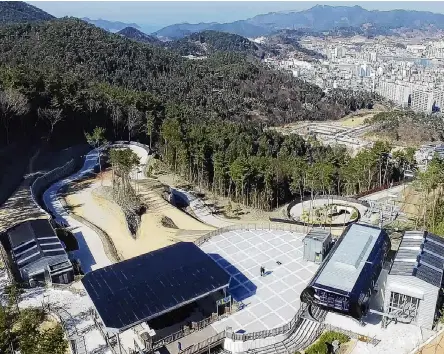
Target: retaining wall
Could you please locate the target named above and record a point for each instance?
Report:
(43, 182)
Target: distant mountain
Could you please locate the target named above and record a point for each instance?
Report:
(181, 30)
(111, 26)
(318, 18)
(208, 42)
(325, 18)
(135, 34)
(242, 28)
(19, 11)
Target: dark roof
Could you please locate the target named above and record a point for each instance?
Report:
(141, 288)
(420, 254)
(33, 241)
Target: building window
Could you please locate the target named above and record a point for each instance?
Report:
(403, 306)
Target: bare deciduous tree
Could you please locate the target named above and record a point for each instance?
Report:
(116, 116)
(50, 116)
(12, 104)
(134, 118)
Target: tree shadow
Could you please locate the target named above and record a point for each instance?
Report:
(75, 186)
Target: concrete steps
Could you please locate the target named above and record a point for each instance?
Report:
(301, 336)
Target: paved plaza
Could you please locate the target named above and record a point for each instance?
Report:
(270, 301)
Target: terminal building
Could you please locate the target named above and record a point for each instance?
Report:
(346, 279)
(157, 291)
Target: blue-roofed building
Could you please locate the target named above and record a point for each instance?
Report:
(415, 278)
(345, 280)
(39, 254)
(154, 284)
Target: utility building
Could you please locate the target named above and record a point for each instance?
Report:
(415, 278)
(347, 277)
(316, 245)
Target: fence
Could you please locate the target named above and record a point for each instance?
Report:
(195, 327)
(76, 341)
(262, 226)
(220, 337)
(43, 182)
(206, 344)
(360, 337)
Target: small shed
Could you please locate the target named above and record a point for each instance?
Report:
(316, 245)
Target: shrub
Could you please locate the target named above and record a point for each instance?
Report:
(320, 347)
(330, 336)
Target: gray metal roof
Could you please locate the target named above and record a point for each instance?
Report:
(318, 234)
(35, 246)
(345, 265)
(420, 254)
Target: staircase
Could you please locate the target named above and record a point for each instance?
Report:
(300, 337)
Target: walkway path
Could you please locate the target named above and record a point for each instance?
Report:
(200, 209)
(91, 251)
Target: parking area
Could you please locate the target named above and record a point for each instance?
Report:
(271, 300)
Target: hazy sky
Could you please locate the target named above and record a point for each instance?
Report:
(164, 13)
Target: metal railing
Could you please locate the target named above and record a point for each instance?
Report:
(372, 340)
(195, 327)
(220, 337)
(295, 321)
(208, 343)
(261, 226)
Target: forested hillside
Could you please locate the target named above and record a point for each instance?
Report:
(61, 78)
(18, 11)
(87, 72)
(135, 34)
(209, 42)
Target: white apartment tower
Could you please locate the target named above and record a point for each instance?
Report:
(422, 101)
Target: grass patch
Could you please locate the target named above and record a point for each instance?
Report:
(324, 343)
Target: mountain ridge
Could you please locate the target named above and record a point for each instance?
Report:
(319, 18)
(137, 35)
(19, 11)
(111, 26)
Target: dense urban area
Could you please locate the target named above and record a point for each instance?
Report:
(404, 70)
(272, 185)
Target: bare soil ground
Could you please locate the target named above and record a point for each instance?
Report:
(436, 346)
(239, 214)
(86, 200)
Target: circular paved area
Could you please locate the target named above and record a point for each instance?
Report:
(297, 210)
(270, 301)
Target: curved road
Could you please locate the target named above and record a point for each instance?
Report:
(91, 253)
